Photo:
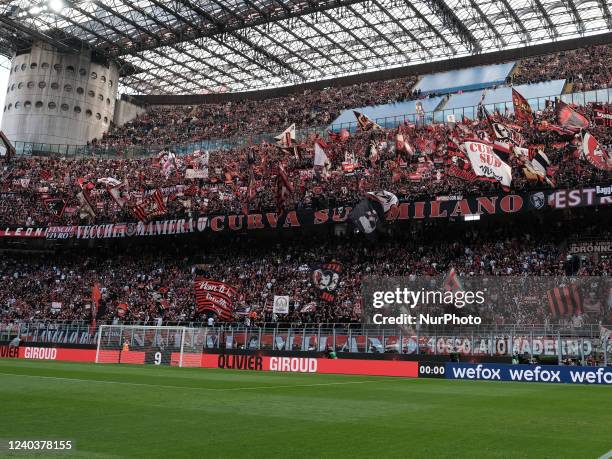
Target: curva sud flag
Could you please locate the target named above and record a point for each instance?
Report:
(216, 297)
(486, 164)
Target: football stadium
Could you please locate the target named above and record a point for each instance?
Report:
(306, 228)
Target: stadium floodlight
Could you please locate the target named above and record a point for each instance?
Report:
(150, 345)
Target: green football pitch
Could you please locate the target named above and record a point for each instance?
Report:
(148, 411)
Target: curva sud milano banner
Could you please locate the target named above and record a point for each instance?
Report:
(439, 208)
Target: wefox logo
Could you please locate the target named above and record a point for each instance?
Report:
(480, 372)
(538, 374)
(600, 376)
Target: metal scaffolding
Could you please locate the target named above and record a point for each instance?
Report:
(191, 46)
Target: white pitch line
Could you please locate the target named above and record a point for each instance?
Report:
(608, 455)
(188, 387)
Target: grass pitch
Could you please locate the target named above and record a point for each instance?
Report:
(147, 411)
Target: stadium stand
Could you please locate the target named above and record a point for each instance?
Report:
(29, 184)
(145, 283)
(586, 68)
(163, 125)
(178, 124)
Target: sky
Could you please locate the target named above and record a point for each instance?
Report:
(4, 76)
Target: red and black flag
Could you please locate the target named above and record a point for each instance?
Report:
(365, 123)
(569, 118)
(283, 189)
(564, 301)
(522, 109)
(326, 278)
(250, 194)
(151, 206)
(96, 296)
(216, 297)
(55, 206)
(602, 115)
(333, 136)
(85, 205)
(594, 153)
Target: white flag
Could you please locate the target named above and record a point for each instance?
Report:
(487, 164)
(281, 304)
(287, 137)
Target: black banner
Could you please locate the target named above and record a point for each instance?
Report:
(441, 207)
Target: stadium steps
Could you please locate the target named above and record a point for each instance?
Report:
(442, 103)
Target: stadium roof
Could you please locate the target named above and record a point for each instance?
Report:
(185, 46)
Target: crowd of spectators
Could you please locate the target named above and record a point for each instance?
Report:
(586, 68)
(28, 185)
(158, 283)
(167, 125)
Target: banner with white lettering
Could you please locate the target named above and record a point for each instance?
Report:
(441, 207)
(487, 164)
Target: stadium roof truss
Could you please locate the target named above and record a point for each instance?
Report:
(189, 46)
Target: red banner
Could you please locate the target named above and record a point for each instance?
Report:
(251, 362)
(216, 297)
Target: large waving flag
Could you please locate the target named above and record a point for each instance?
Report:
(120, 193)
(522, 109)
(283, 189)
(286, 138)
(151, 206)
(370, 212)
(595, 154)
(569, 118)
(216, 297)
(85, 205)
(538, 168)
(487, 165)
(365, 123)
(320, 157)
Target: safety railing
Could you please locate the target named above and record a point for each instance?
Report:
(554, 344)
(440, 116)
